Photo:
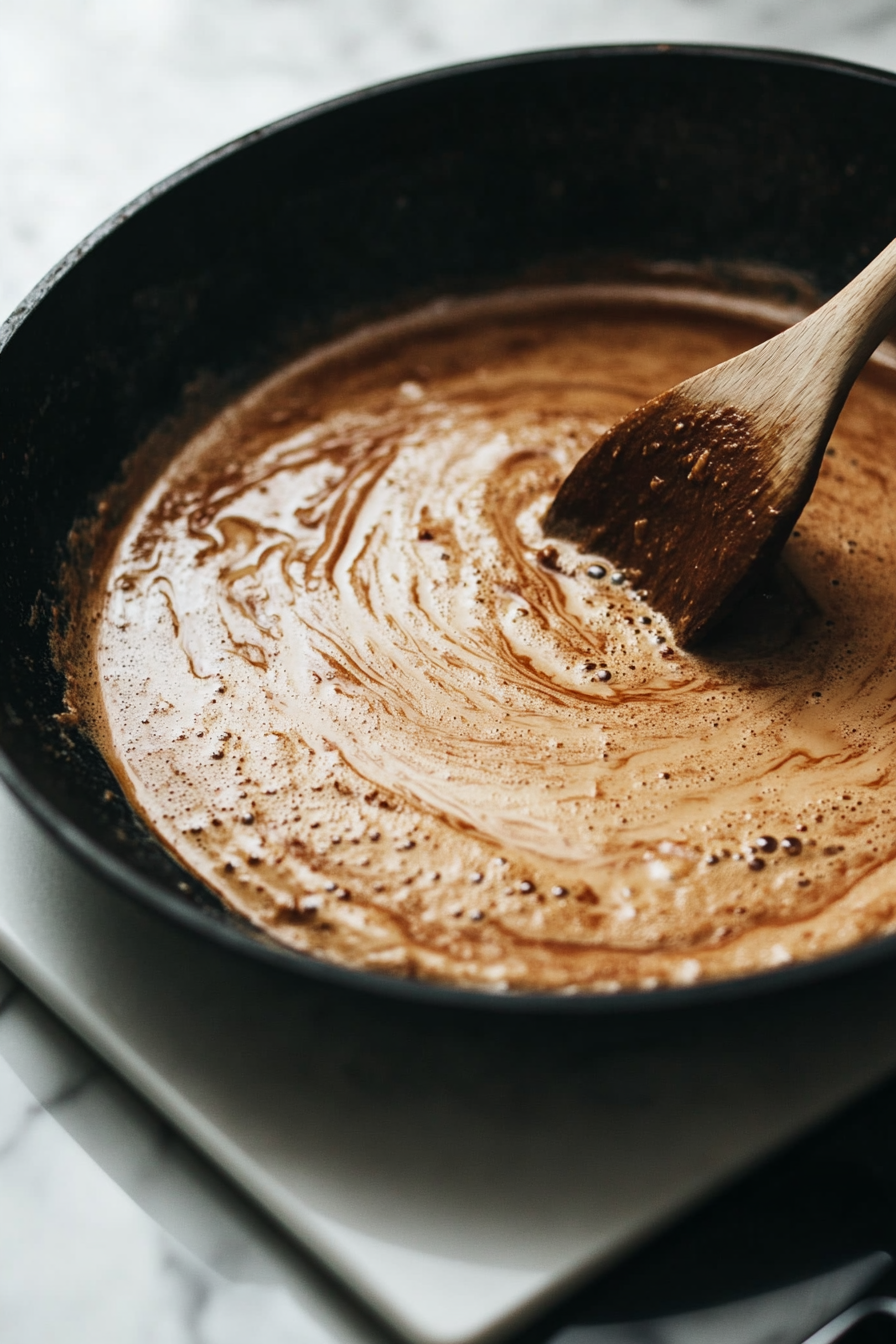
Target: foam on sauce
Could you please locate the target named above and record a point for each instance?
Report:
(338, 668)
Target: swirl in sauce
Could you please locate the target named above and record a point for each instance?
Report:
(339, 670)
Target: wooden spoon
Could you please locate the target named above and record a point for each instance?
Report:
(693, 494)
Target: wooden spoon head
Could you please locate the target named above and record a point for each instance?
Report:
(679, 496)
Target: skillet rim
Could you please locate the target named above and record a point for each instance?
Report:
(155, 897)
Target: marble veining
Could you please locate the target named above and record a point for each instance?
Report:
(111, 1228)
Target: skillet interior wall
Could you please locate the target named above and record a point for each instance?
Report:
(564, 166)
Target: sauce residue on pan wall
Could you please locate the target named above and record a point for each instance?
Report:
(339, 670)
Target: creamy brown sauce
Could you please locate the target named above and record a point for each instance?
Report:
(338, 668)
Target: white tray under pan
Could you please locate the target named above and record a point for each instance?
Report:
(454, 1197)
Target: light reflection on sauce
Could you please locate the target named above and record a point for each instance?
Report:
(341, 672)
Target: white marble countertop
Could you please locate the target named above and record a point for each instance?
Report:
(110, 1228)
(114, 1231)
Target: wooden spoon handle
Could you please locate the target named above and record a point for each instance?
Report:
(803, 375)
(849, 327)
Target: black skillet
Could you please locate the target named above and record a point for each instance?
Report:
(563, 166)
